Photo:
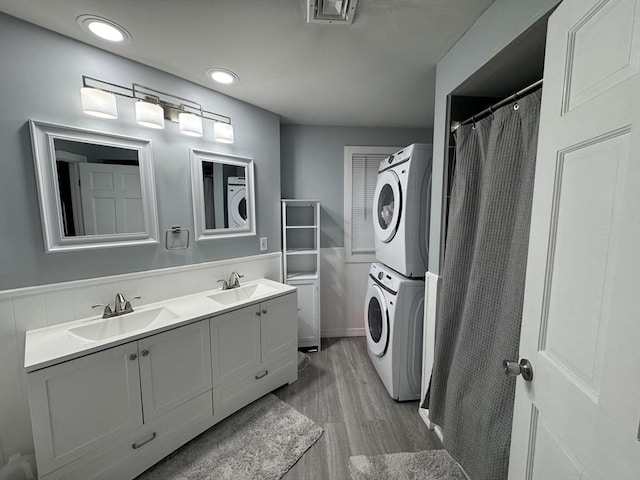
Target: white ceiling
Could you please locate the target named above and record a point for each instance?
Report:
(379, 71)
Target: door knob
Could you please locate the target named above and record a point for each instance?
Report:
(513, 369)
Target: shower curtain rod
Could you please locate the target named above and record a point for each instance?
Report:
(495, 106)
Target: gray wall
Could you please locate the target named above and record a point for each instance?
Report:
(40, 78)
(312, 166)
(499, 25)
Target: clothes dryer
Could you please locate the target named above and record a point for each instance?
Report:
(236, 202)
(401, 205)
(393, 314)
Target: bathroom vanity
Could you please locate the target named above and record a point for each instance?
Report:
(111, 397)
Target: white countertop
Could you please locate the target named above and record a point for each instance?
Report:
(51, 345)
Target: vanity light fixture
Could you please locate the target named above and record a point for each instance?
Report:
(152, 108)
(191, 124)
(104, 29)
(98, 103)
(149, 115)
(223, 133)
(223, 76)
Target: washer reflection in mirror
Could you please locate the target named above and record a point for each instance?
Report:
(99, 189)
(222, 195)
(225, 195)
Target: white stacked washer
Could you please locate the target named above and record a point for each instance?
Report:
(401, 205)
(394, 304)
(237, 202)
(393, 312)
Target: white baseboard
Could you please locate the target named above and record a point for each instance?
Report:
(343, 332)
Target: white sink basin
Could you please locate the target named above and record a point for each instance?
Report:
(130, 322)
(239, 294)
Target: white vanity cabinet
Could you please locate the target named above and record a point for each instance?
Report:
(97, 401)
(254, 351)
(114, 410)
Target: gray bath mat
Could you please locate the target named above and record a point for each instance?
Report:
(427, 465)
(261, 441)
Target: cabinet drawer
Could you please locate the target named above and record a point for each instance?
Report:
(154, 442)
(234, 395)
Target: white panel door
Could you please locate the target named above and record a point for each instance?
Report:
(111, 199)
(579, 416)
(278, 327)
(175, 366)
(80, 405)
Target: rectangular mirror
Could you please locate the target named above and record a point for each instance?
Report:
(96, 189)
(223, 195)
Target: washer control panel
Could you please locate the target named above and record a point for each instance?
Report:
(383, 277)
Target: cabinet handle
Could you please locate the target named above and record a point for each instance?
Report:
(266, 372)
(264, 311)
(144, 352)
(133, 356)
(257, 314)
(135, 446)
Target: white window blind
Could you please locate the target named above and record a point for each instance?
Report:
(361, 174)
(364, 175)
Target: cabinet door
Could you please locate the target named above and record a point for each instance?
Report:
(235, 340)
(82, 404)
(279, 327)
(175, 366)
(308, 328)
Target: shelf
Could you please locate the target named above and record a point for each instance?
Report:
(301, 251)
(302, 275)
(301, 264)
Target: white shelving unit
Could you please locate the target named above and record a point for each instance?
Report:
(301, 258)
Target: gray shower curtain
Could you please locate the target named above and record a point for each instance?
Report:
(480, 300)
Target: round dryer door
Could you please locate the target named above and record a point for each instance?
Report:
(376, 321)
(239, 207)
(387, 205)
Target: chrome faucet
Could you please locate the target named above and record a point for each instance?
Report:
(234, 279)
(233, 282)
(121, 306)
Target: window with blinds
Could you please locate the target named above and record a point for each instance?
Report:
(361, 173)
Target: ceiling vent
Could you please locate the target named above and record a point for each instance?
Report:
(331, 11)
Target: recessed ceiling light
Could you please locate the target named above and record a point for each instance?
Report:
(222, 75)
(104, 29)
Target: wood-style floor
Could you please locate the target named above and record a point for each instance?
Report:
(341, 391)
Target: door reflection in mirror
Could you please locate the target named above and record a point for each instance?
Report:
(99, 189)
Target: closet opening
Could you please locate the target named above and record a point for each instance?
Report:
(517, 66)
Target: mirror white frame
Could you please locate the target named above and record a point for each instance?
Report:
(197, 190)
(43, 136)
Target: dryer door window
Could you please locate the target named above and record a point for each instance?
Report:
(377, 321)
(239, 208)
(387, 205)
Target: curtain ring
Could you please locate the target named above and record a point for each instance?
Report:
(491, 112)
(516, 106)
(473, 122)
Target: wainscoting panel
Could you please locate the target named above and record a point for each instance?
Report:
(343, 287)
